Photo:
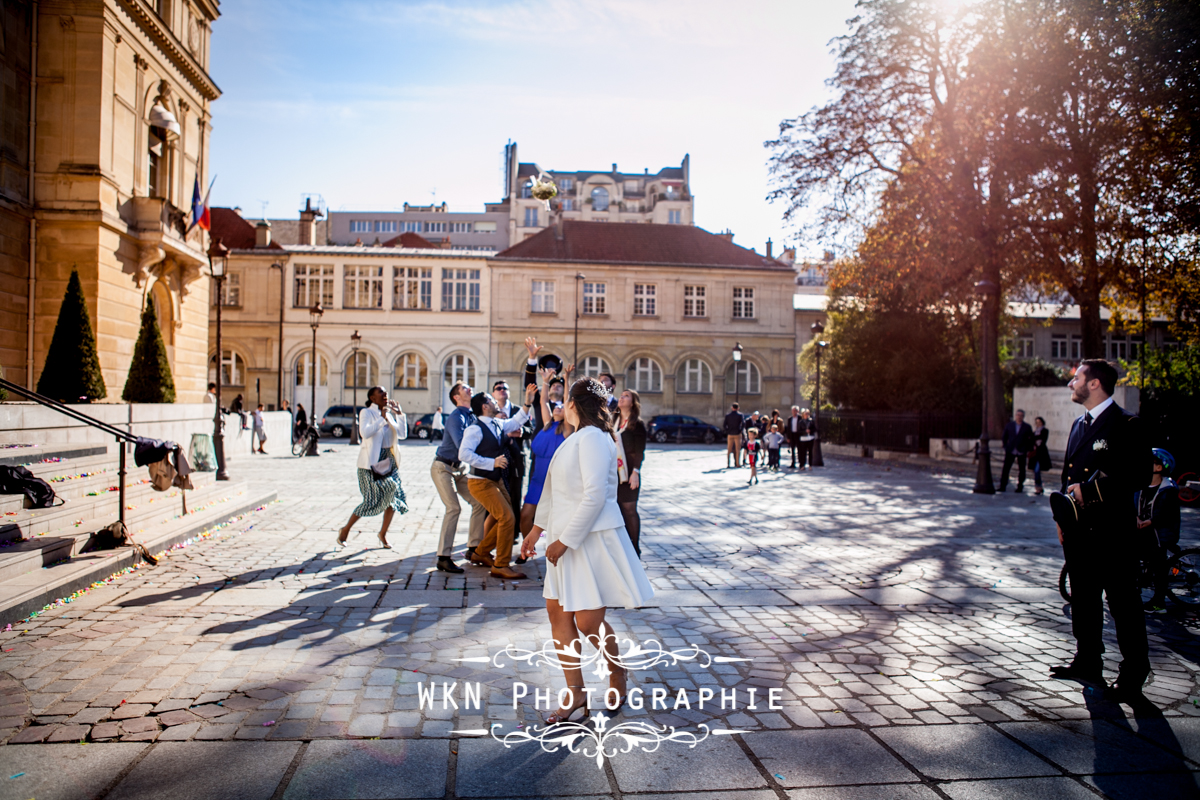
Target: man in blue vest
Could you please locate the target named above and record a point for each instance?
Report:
(483, 449)
(450, 478)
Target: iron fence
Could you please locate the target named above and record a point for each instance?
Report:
(895, 430)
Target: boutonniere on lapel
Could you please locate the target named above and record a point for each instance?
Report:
(1100, 444)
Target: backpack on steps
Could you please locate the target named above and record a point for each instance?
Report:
(19, 480)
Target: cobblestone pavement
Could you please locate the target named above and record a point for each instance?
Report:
(906, 625)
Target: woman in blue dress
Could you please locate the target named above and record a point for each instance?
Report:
(542, 447)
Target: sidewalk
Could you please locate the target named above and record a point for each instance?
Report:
(906, 623)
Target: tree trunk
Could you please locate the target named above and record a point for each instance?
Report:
(1092, 328)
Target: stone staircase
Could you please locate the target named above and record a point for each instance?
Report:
(42, 551)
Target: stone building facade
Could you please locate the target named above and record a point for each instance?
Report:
(120, 114)
(661, 307)
(423, 316)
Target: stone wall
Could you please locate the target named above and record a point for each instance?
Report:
(1053, 403)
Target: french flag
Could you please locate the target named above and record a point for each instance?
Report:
(200, 214)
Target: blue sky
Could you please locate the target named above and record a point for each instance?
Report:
(374, 104)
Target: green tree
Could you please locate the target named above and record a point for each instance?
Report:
(72, 369)
(149, 378)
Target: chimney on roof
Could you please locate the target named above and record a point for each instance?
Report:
(237, 210)
(557, 217)
(788, 256)
(614, 169)
(308, 222)
(769, 245)
(262, 234)
(647, 170)
(726, 234)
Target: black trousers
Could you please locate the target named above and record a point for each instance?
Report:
(516, 482)
(1098, 569)
(1008, 462)
(806, 453)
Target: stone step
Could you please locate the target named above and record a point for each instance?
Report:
(35, 588)
(142, 503)
(79, 484)
(12, 456)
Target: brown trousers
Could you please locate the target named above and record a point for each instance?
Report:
(498, 530)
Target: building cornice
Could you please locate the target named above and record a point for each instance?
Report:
(570, 263)
(172, 48)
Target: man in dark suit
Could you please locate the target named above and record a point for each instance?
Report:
(1107, 461)
(793, 429)
(1018, 441)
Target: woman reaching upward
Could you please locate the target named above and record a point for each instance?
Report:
(591, 561)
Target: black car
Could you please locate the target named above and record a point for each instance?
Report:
(423, 428)
(679, 428)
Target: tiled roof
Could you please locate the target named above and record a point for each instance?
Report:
(234, 231)
(410, 239)
(635, 243)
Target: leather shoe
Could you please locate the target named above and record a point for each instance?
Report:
(481, 560)
(1073, 672)
(1131, 696)
(446, 564)
(508, 573)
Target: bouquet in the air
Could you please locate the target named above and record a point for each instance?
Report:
(544, 190)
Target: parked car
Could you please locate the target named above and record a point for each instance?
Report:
(423, 428)
(679, 428)
(337, 421)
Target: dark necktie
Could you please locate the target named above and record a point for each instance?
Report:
(1087, 419)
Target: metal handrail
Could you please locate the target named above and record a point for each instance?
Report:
(123, 437)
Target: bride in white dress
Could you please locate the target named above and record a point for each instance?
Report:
(591, 564)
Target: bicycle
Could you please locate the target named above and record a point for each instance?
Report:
(305, 441)
(1183, 579)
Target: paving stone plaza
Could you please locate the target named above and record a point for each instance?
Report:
(905, 624)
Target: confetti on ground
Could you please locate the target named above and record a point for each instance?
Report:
(14, 777)
(268, 724)
(780, 777)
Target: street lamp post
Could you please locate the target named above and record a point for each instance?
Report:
(314, 319)
(737, 386)
(354, 341)
(218, 258)
(983, 479)
(817, 459)
(279, 376)
(579, 276)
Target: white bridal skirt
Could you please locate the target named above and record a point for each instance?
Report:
(604, 571)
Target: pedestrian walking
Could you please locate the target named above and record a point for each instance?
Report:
(301, 422)
(449, 477)
(1039, 457)
(380, 425)
(437, 426)
(541, 450)
(808, 438)
(631, 452)
(1107, 461)
(752, 448)
(1158, 522)
(484, 451)
(773, 440)
(1018, 441)
(734, 422)
(260, 430)
(591, 563)
(792, 430)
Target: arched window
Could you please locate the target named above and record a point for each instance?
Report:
(694, 377)
(233, 369)
(592, 366)
(304, 369)
(600, 199)
(645, 375)
(362, 374)
(411, 372)
(748, 381)
(458, 368)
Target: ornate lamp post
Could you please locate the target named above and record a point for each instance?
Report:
(354, 341)
(983, 480)
(817, 329)
(737, 364)
(579, 276)
(314, 319)
(218, 260)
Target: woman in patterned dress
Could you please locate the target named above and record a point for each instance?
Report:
(380, 425)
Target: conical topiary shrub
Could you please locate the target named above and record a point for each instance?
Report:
(72, 370)
(150, 378)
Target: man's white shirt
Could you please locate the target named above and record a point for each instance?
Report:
(473, 436)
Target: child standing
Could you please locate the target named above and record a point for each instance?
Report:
(753, 446)
(773, 440)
